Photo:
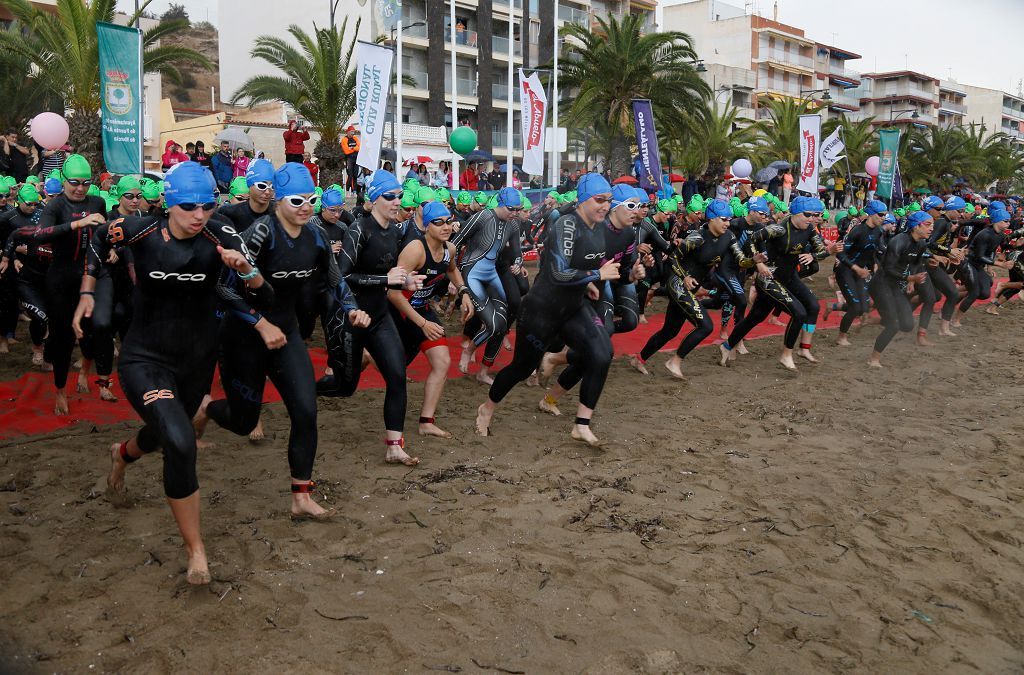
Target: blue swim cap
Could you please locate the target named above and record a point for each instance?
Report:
(874, 207)
(932, 202)
(717, 208)
(997, 206)
(814, 205)
(998, 216)
(796, 205)
(954, 204)
(890, 219)
(508, 196)
(292, 179)
(758, 204)
(916, 218)
(189, 183)
(640, 194)
(53, 186)
(260, 171)
(623, 193)
(435, 210)
(332, 198)
(380, 182)
(591, 184)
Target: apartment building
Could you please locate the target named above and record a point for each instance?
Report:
(952, 104)
(997, 110)
(902, 97)
(834, 77)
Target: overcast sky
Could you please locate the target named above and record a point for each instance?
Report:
(974, 41)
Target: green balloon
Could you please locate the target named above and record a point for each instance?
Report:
(462, 141)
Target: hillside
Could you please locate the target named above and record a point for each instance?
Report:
(194, 92)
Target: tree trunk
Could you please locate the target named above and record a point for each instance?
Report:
(331, 161)
(86, 137)
(619, 160)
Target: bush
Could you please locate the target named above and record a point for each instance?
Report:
(204, 26)
(175, 11)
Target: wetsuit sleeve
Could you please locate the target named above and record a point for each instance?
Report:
(332, 281)
(560, 245)
(238, 298)
(49, 226)
(983, 248)
(742, 259)
(891, 260)
(852, 241)
(759, 238)
(819, 250)
(460, 237)
(935, 242)
(118, 233)
(515, 241)
(648, 234)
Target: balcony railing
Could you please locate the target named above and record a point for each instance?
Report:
(499, 46)
(952, 107)
(573, 15)
(409, 30)
(782, 56)
(518, 3)
(904, 90)
(1012, 112)
(419, 75)
(500, 92)
(463, 38)
(499, 139)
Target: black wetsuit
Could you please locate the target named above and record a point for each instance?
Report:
(292, 265)
(903, 258)
(64, 275)
(697, 257)
(943, 239)
(367, 254)
(731, 278)
(556, 307)
(168, 356)
(859, 247)
(31, 280)
(783, 243)
(241, 214)
(650, 232)
(981, 253)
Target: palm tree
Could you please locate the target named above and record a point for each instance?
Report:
(318, 82)
(63, 49)
(609, 67)
(24, 95)
(940, 155)
(778, 136)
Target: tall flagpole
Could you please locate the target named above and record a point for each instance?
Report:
(556, 158)
(455, 103)
(396, 122)
(508, 167)
(846, 159)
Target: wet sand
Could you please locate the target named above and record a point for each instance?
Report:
(748, 520)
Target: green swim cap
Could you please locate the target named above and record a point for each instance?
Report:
(110, 200)
(572, 195)
(32, 180)
(238, 186)
(319, 192)
(56, 174)
(94, 190)
(527, 204)
(970, 208)
(492, 203)
(696, 204)
(552, 194)
(900, 213)
(443, 195)
(852, 211)
(914, 208)
(28, 194)
(667, 206)
(76, 167)
(408, 199)
(126, 184)
(424, 195)
(826, 215)
(335, 186)
(480, 198)
(151, 190)
(411, 184)
(464, 197)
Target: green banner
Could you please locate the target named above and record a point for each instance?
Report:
(121, 111)
(889, 146)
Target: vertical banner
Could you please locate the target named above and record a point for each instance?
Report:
(534, 111)
(121, 114)
(810, 142)
(897, 185)
(889, 145)
(647, 145)
(373, 79)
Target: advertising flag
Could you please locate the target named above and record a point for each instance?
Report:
(120, 52)
(649, 165)
(832, 149)
(534, 111)
(888, 148)
(810, 141)
(373, 80)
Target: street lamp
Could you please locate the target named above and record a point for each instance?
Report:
(700, 67)
(899, 113)
(825, 95)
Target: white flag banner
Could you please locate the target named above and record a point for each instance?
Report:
(832, 149)
(534, 112)
(810, 141)
(373, 79)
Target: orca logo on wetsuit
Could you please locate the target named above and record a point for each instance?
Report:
(297, 274)
(154, 395)
(157, 274)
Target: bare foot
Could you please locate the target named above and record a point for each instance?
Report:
(533, 380)
(675, 368)
(107, 395)
(46, 367)
(4, 349)
(60, 405)
(772, 321)
(874, 363)
(843, 341)
(723, 334)
(922, 340)
(740, 348)
(582, 432)
(945, 332)
(396, 455)
(787, 362)
(638, 365)
(468, 352)
(548, 407)
(198, 570)
(506, 344)
(827, 310)
(547, 367)
(37, 357)
(83, 383)
(483, 421)
(484, 377)
(431, 429)
(116, 492)
(725, 355)
(806, 353)
(643, 318)
(304, 508)
(257, 435)
(77, 365)
(992, 309)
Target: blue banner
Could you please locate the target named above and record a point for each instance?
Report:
(120, 52)
(649, 166)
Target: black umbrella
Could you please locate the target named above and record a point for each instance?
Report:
(765, 175)
(479, 155)
(388, 154)
(780, 164)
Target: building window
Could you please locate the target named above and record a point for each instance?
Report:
(406, 115)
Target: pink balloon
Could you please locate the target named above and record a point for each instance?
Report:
(871, 166)
(49, 130)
